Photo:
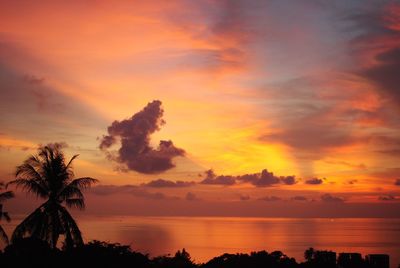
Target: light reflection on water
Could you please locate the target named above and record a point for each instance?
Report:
(205, 238)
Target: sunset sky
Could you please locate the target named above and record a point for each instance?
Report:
(243, 108)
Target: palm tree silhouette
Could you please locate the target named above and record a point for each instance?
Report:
(48, 176)
(3, 197)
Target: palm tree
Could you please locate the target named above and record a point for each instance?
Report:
(3, 197)
(47, 176)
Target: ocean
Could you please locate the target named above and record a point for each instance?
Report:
(207, 237)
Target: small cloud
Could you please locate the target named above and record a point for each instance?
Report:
(351, 182)
(191, 197)
(314, 181)
(58, 145)
(387, 198)
(33, 80)
(265, 179)
(397, 182)
(270, 198)
(288, 180)
(244, 197)
(220, 180)
(331, 199)
(213, 179)
(161, 183)
(299, 198)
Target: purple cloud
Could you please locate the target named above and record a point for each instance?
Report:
(331, 199)
(134, 134)
(161, 183)
(191, 197)
(299, 198)
(262, 179)
(387, 198)
(270, 198)
(211, 178)
(314, 181)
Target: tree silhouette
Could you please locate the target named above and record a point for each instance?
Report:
(309, 254)
(47, 176)
(4, 215)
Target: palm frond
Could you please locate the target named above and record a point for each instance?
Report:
(73, 236)
(31, 186)
(70, 191)
(83, 183)
(3, 235)
(30, 226)
(6, 216)
(75, 202)
(6, 195)
(68, 167)
(27, 169)
(74, 189)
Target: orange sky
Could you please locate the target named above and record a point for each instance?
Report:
(308, 90)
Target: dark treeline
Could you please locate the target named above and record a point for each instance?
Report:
(32, 252)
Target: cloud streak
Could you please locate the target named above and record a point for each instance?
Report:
(134, 190)
(161, 183)
(331, 198)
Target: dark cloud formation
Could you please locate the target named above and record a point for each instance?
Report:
(331, 199)
(212, 178)
(134, 134)
(314, 181)
(263, 179)
(161, 183)
(266, 178)
(288, 180)
(397, 182)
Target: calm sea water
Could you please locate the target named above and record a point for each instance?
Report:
(205, 238)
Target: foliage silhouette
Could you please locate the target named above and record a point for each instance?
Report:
(47, 176)
(33, 252)
(29, 252)
(4, 195)
(275, 259)
(180, 260)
